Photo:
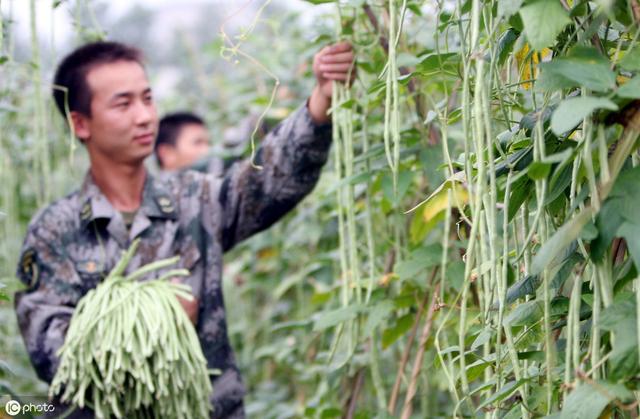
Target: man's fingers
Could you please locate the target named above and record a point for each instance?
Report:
(343, 57)
(340, 47)
(335, 68)
(335, 76)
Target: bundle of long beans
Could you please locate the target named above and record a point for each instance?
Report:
(131, 350)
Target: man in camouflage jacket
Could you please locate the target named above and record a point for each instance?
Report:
(72, 244)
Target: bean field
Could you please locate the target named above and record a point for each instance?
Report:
(472, 247)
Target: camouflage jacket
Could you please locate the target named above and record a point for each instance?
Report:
(72, 244)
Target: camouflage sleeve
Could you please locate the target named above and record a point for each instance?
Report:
(291, 156)
(45, 307)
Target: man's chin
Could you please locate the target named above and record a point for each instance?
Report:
(136, 159)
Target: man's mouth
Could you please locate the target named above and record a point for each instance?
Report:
(144, 139)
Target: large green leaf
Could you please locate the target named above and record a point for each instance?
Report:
(507, 8)
(583, 67)
(543, 21)
(588, 401)
(572, 111)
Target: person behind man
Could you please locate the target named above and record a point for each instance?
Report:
(183, 142)
(72, 244)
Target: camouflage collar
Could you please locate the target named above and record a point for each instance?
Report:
(157, 202)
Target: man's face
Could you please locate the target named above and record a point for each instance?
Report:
(191, 145)
(123, 122)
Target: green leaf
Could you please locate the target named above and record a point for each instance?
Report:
(631, 60)
(483, 337)
(475, 369)
(607, 223)
(565, 270)
(559, 241)
(620, 318)
(526, 286)
(572, 111)
(583, 67)
(507, 390)
(434, 63)
(520, 191)
(419, 260)
(525, 314)
(543, 22)
(507, 8)
(506, 42)
(588, 401)
(402, 326)
(560, 181)
(335, 317)
(407, 60)
(630, 90)
(631, 233)
(538, 170)
(377, 314)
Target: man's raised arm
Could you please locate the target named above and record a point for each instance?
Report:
(291, 157)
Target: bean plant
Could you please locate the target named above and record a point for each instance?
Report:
(472, 247)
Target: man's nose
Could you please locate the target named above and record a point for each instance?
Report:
(145, 112)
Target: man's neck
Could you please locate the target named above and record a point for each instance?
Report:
(121, 184)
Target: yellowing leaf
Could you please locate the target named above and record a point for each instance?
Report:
(440, 202)
(622, 79)
(433, 207)
(267, 253)
(528, 61)
(439, 199)
(387, 278)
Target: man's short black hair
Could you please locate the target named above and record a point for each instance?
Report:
(170, 127)
(70, 81)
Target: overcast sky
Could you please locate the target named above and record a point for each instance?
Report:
(61, 18)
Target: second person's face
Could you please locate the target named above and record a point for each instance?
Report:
(191, 145)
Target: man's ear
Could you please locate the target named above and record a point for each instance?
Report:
(80, 126)
(168, 156)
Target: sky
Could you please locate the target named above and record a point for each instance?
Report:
(61, 18)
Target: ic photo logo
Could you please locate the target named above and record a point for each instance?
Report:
(12, 407)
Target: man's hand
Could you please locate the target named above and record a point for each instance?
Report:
(189, 306)
(332, 63)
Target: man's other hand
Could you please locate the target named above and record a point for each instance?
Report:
(332, 63)
(189, 306)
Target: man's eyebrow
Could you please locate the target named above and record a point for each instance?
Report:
(121, 95)
(128, 95)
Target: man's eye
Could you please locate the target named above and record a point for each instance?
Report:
(122, 104)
